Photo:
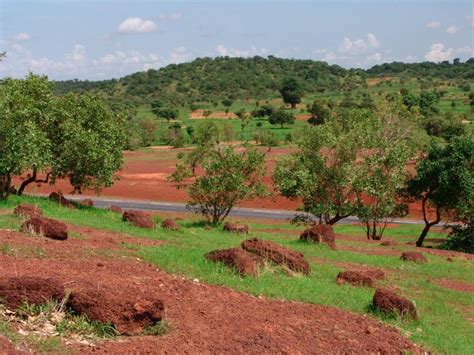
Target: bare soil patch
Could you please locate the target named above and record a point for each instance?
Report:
(199, 115)
(456, 285)
(202, 318)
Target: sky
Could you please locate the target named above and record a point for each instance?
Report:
(102, 39)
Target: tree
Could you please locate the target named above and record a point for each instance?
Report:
(147, 127)
(281, 117)
(27, 110)
(174, 135)
(266, 137)
(444, 181)
(291, 92)
(390, 143)
(166, 113)
(323, 170)
(319, 113)
(263, 111)
(228, 179)
(227, 104)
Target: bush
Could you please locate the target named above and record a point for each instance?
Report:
(461, 238)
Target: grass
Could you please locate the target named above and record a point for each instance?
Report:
(444, 324)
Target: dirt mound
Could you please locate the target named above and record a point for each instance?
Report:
(87, 202)
(243, 262)
(277, 254)
(388, 243)
(236, 228)
(321, 233)
(46, 227)
(414, 256)
(129, 316)
(34, 290)
(360, 278)
(25, 210)
(7, 348)
(139, 219)
(59, 198)
(115, 209)
(389, 302)
(170, 224)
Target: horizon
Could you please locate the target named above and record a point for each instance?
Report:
(49, 37)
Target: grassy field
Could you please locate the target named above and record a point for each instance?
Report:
(453, 93)
(446, 316)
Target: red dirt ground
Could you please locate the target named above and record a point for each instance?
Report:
(143, 177)
(202, 318)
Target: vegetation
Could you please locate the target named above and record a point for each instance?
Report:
(42, 134)
(228, 179)
(444, 181)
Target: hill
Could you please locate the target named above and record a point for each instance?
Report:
(214, 79)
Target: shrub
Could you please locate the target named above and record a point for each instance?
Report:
(461, 238)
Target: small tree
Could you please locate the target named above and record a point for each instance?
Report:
(281, 117)
(174, 135)
(227, 104)
(291, 92)
(319, 113)
(166, 113)
(228, 179)
(444, 181)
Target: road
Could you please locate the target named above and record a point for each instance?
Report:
(104, 202)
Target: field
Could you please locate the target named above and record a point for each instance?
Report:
(202, 307)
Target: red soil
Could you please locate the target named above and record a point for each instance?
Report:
(456, 285)
(202, 318)
(143, 177)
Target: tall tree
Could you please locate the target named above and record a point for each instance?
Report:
(444, 181)
(291, 91)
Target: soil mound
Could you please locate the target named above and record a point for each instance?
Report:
(129, 316)
(321, 233)
(46, 227)
(34, 290)
(277, 254)
(389, 302)
(25, 210)
(170, 224)
(236, 228)
(87, 202)
(115, 209)
(388, 243)
(139, 219)
(414, 256)
(360, 278)
(243, 262)
(59, 198)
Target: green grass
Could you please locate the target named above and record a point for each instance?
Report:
(444, 324)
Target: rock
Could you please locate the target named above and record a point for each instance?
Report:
(46, 227)
(129, 316)
(87, 202)
(277, 254)
(321, 233)
(139, 219)
(27, 211)
(33, 290)
(170, 224)
(414, 256)
(236, 228)
(389, 302)
(115, 209)
(59, 198)
(243, 262)
(360, 278)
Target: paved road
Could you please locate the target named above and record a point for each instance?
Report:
(104, 202)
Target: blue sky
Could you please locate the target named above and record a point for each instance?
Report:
(102, 39)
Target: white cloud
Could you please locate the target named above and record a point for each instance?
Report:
(438, 54)
(373, 42)
(79, 54)
(235, 52)
(375, 58)
(466, 50)
(452, 30)
(358, 46)
(20, 37)
(171, 17)
(137, 25)
(325, 54)
(433, 24)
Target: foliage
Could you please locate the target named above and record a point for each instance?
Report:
(174, 135)
(166, 113)
(263, 111)
(266, 137)
(281, 117)
(320, 113)
(291, 91)
(229, 178)
(444, 181)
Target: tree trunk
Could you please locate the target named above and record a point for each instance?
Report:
(293, 106)
(428, 224)
(5, 186)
